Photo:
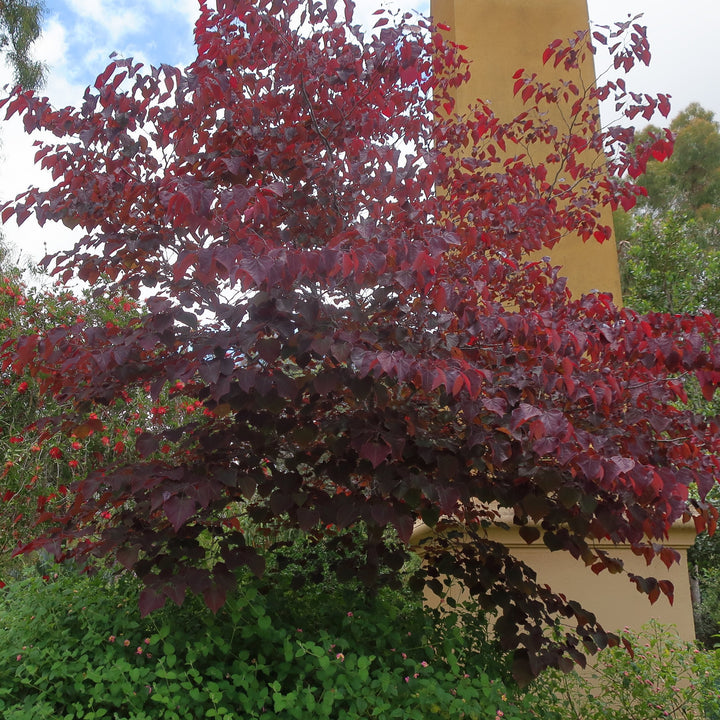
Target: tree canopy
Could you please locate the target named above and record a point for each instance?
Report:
(670, 251)
(331, 259)
(689, 181)
(20, 27)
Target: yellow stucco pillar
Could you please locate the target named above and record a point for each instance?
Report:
(503, 36)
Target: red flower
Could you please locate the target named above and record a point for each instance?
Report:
(22, 387)
(55, 452)
(76, 445)
(119, 447)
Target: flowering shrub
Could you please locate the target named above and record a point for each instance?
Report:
(42, 456)
(74, 646)
(663, 677)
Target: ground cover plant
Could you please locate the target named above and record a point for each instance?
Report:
(366, 351)
(300, 643)
(75, 646)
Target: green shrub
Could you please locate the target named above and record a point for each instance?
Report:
(663, 677)
(74, 646)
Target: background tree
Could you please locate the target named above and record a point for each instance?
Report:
(688, 182)
(669, 265)
(20, 27)
(670, 242)
(367, 352)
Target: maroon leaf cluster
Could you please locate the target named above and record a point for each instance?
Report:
(335, 264)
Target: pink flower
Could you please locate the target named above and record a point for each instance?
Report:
(19, 658)
(350, 614)
(340, 657)
(139, 651)
(147, 641)
(111, 638)
(424, 663)
(126, 643)
(407, 679)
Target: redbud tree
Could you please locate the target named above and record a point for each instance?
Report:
(332, 259)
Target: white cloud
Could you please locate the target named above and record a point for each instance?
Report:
(114, 18)
(52, 45)
(188, 10)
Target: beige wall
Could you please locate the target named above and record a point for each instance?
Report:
(503, 36)
(612, 597)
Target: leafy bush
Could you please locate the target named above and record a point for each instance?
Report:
(663, 677)
(707, 611)
(74, 646)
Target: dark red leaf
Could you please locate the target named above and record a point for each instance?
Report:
(150, 601)
(375, 452)
(215, 598)
(179, 510)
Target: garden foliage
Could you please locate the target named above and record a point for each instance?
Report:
(662, 677)
(75, 647)
(331, 258)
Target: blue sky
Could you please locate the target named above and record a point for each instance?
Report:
(80, 35)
